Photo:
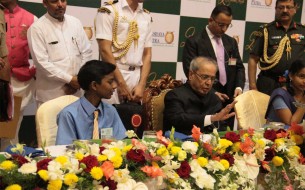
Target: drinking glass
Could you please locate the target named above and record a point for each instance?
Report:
(149, 136)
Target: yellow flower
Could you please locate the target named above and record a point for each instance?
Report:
(169, 146)
(174, 150)
(261, 143)
(297, 139)
(245, 135)
(225, 163)
(117, 151)
(79, 156)
(54, 185)
(7, 165)
(202, 161)
(196, 144)
(236, 147)
(224, 143)
(61, 159)
(277, 161)
(101, 158)
(96, 173)
(182, 155)
(162, 151)
(43, 175)
(279, 142)
(13, 187)
(127, 148)
(70, 179)
(155, 164)
(117, 161)
(294, 151)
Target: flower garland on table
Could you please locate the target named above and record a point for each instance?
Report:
(231, 162)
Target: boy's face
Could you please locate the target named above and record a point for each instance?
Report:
(106, 87)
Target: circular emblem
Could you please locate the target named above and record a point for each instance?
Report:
(136, 120)
(169, 37)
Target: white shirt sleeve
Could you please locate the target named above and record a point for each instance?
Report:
(103, 25)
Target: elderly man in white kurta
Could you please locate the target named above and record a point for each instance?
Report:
(59, 47)
(124, 35)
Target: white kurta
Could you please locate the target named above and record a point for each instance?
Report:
(58, 50)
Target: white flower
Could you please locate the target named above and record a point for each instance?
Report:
(203, 180)
(131, 184)
(109, 153)
(28, 168)
(214, 166)
(206, 138)
(189, 147)
(246, 166)
(94, 149)
(54, 170)
(121, 176)
(130, 134)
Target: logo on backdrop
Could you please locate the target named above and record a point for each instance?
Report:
(188, 33)
(163, 38)
(252, 38)
(261, 2)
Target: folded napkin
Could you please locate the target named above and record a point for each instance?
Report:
(180, 136)
(27, 151)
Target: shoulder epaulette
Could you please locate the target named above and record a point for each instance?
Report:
(110, 2)
(147, 11)
(103, 10)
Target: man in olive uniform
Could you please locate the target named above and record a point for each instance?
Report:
(5, 89)
(285, 43)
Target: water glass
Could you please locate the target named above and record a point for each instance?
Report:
(149, 136)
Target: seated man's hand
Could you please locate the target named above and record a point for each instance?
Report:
(224, 113)
(137, 93)
(222, 97)
(237, 92)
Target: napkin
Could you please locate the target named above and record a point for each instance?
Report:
(27, 151)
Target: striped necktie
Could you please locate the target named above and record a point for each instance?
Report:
(95, 125)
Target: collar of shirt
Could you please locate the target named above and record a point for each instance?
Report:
(292, 24)
(210, 34)
(125, 4)
(88, 107)
(15, 10)
(47, 15)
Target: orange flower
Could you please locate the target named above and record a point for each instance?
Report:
(247, 146)
(161, 138)
(282, 134)
(250, 131)
(296, 129)
(266, 166)
(152, 171)
(138, 144)
(108, 169)
(196, 133)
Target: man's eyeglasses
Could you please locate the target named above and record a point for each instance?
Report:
(281, 8)
(205, 78)
(223, 25)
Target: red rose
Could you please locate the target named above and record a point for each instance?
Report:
(228, 157)
(90, 161)
(184, 170)
(270, 153)
(136, 156)
(19, 159)
(43, 164)
(111, 184)
(233, 137)
(102, 149)
(270, 134)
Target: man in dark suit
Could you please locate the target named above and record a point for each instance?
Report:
(213, 42)
(195, 102)
(205, 44)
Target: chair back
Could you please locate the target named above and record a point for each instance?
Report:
(153, 101)
(8, 128)
(251, 108)
(46, 116)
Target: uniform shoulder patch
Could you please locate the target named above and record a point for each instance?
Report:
(147, 11)
(110, 2)
(103, 10)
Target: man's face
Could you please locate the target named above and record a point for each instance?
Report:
(106, 87)
(56, 8)
(284, 11)
(219, 25)
(202, 80)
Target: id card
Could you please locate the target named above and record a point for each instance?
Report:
(232, 61)
(106, 132)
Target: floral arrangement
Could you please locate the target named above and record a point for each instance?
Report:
(209, 162)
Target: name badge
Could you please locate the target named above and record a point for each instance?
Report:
(232, 61)
(106, 132)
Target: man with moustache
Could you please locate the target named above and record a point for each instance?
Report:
(76, 121)
(124, 36)
(22, 74)
(59, 47)
(195, 102)
(278, 44)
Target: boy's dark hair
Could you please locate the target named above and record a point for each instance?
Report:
(221, 9)
(93, 70)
